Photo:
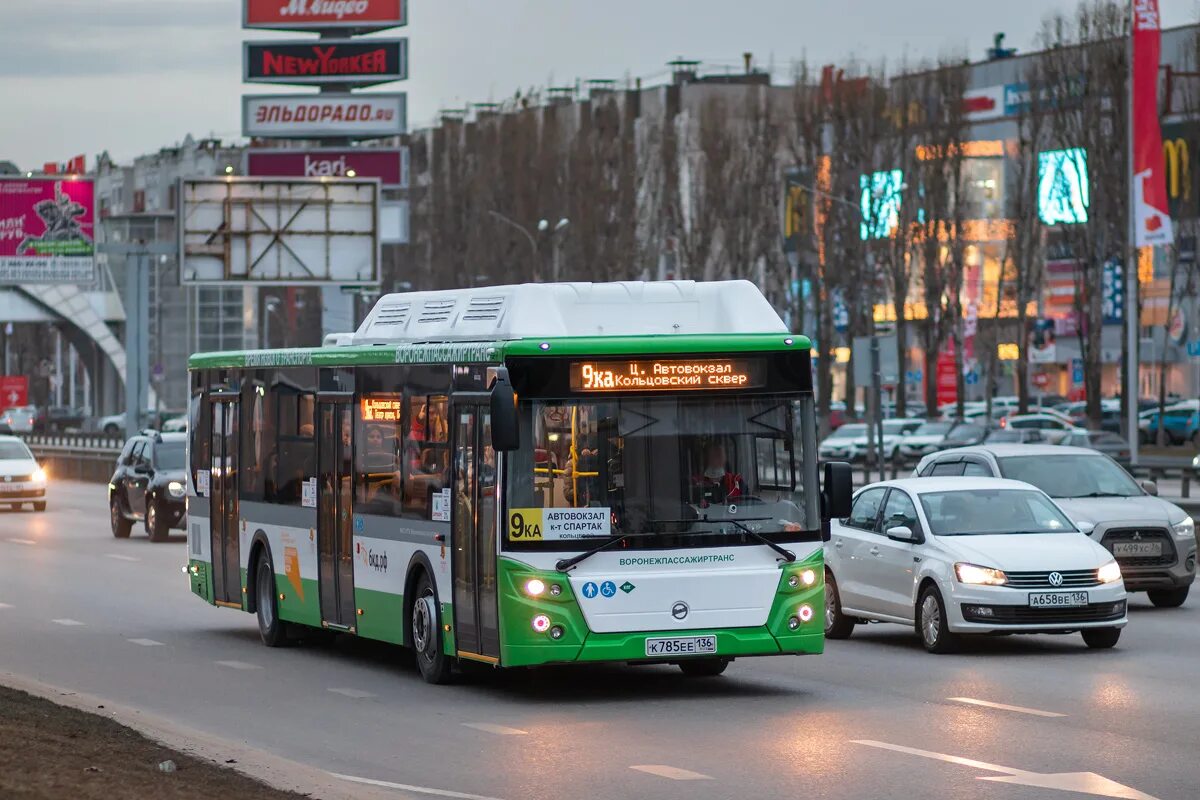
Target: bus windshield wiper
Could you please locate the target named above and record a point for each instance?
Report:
(786, 554)
(566, 564)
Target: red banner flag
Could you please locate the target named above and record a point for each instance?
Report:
(1152, 223)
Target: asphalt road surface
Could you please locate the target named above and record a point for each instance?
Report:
(875, 717)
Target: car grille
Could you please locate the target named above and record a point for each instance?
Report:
(1071, 579)
(17, 478)
(1143, 535)
(1024, 615)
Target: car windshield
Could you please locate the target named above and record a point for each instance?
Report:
(983, 512)
(671, 472)
(849, 432)
(14, 451)
(169, 456)
(1071, 475)
(933, 429)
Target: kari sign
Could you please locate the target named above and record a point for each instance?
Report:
(307, 116)
(47, 230)
(307, 15)
(361, 62)
(389, 166)
(14, 391)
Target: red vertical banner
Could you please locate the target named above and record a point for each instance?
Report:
(1152, 223)
(946, 377)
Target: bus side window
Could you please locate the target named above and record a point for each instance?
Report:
(426, 455)
(297, 450)
(201, 435)
(258, 465)
(378, 453)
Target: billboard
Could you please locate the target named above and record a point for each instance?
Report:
(354, 62)
(279, 230)
(314, 116)
(47, 230)
(308, 15)
(390, 166)
(14, 391)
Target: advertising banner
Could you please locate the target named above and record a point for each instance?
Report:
(47, 230)
(390, 166)
(354, 62)
(14, 391)
(1152, 223)
(310, 116)
(307, 15)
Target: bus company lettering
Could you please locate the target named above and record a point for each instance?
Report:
(278, 359)
(653, 561)
(370, 558)
(441, 353)
(325, 61)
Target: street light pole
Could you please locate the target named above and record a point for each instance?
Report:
(537, 272)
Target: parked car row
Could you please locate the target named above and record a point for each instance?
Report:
(1003, 539)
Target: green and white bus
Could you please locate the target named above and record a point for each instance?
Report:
(522, 475)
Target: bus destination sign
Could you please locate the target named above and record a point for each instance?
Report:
(658, 374)
(385, 408)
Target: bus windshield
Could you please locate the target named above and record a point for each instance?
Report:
(677, 472)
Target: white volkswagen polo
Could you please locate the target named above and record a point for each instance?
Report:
(954, 556)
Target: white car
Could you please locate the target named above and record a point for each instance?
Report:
(894, 431)
(953, 556)
(839, 445)
(19, 419)
(22, 480)
(1054, 426)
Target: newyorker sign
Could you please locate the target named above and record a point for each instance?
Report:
(310, 116)
(361, 62)
(388, 165)
(309, 15)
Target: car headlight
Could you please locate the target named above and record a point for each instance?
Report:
(984, 576)
(1109, 573)
(175, 489)
(1185, 528)
(39, 475)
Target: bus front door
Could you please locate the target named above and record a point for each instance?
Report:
(335, 556)
(476, 617)
(223, 489)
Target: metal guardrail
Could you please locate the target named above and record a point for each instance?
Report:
(76, 456)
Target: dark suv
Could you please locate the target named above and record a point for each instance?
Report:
(149, 485)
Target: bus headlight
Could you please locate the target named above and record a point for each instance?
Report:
(535, 587)
(1109, 573)
(175, 489)
(808, 577)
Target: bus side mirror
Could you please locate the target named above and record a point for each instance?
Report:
(839, 489)
(506, 434)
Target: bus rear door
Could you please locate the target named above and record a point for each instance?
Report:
(335, 555)
(476, 616)
(223, 489)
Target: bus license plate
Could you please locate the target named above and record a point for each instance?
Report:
(1137, 548)
(682, 646)
(1058, 599)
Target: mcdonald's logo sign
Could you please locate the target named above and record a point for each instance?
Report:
(1177, 163)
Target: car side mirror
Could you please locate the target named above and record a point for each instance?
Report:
(1085, 527)
(506, 433)
(1150, 487)
(838, 489)
(903, 533)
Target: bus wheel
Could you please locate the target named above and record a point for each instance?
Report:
(270, 626)
(427, 634)
(120, 526)
(704, 667)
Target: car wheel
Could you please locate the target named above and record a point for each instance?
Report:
(1168, 598)
(1101, 638)
(270, 627)
(704, 667)
(837, 624)
(155, 527)
(932, 626)
(427, 633)
(39, 506)
(120, 526)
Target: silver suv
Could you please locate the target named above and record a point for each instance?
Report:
(1153, 541)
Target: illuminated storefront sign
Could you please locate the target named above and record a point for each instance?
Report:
(663, 374)
(1063, 190)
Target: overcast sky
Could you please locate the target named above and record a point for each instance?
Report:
(131, 76)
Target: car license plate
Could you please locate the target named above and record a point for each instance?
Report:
(1137, 548)
(11, 487)
(682, 646)
(1058, 599)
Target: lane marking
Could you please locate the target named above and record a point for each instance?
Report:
(673, 773)
(119, 557)
(68, 622)
(1082, 782)
(22, 541)
(1003, 707)
(238, 665)
(414, 789)
(146, 642)
(499, 730)
(355, 693)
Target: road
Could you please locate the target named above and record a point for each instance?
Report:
(875, 717)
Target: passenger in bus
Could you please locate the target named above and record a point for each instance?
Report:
(718, 483)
